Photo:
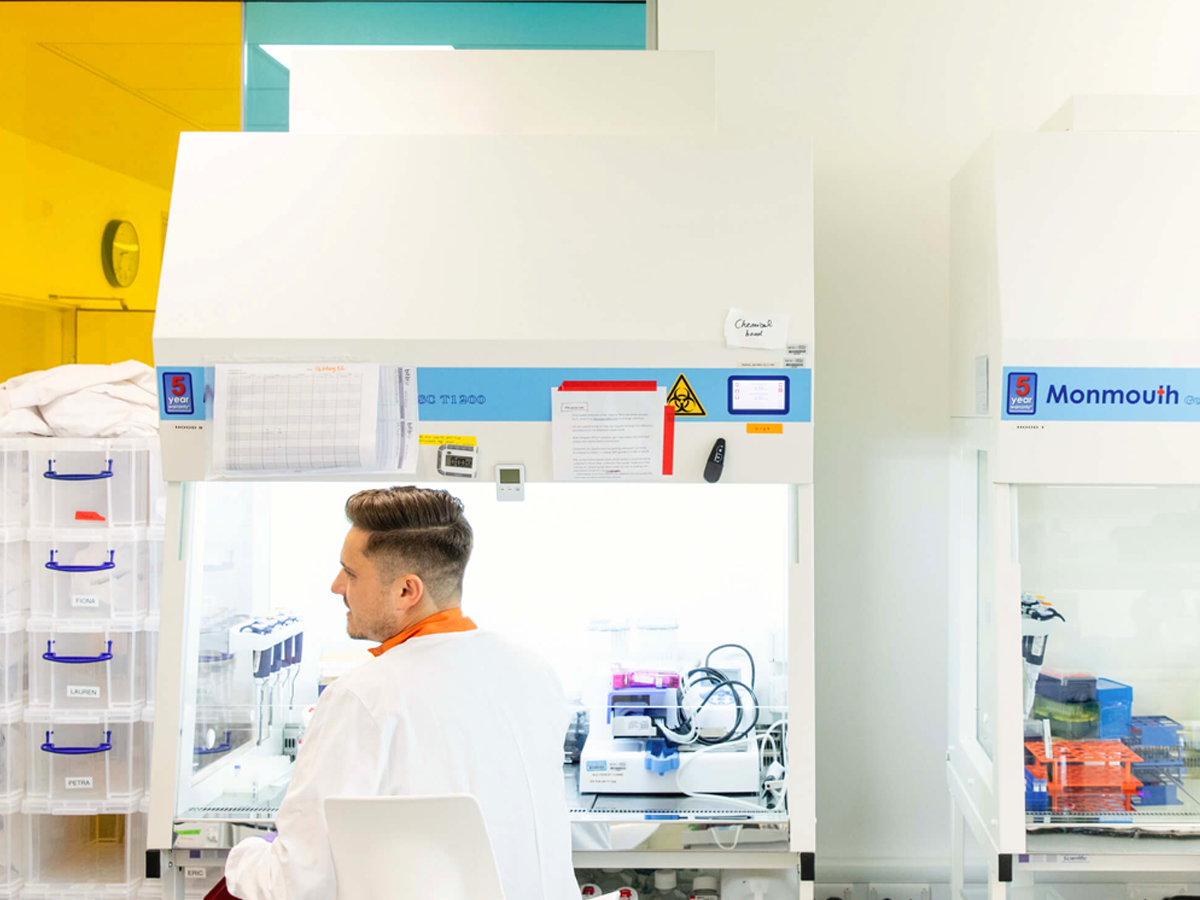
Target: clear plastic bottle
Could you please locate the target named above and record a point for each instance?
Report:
(704, 887)
(666, 886)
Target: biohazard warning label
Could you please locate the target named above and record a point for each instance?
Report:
(684, 399)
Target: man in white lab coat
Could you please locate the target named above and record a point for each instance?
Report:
(443, 708)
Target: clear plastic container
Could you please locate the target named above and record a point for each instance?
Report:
(14, 837)
(14, 683)
(81, 763)
(14, 483)
(154, 560)
(148, 743)
(658, 644)
(157, 497)
(12, 764)
(89, 483)
(14, 575)
(89, 575)
(97, 671)
(89, 856)
(150, 669)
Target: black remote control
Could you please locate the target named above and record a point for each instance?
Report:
(716, 462)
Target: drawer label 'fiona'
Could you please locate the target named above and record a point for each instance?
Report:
(85, 601)
(79, 784)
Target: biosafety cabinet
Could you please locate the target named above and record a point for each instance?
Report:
(1075, 496)
(347, 311)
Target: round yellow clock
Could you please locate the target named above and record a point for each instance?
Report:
(120, 252)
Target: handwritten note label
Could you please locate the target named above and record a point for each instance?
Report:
(764, 331)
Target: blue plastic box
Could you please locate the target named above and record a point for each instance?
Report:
(1155, 731)
(1116, 706)
(1160, 793)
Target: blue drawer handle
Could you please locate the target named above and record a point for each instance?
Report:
(77, 751)
(59, 567)
(51, 656)
(80, 476)
(220, 748)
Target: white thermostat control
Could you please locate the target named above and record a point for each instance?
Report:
(458, 460)
(510, 482)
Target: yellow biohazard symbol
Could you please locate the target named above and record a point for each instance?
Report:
(684, 399)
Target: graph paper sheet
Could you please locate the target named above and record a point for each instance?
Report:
(295, 418)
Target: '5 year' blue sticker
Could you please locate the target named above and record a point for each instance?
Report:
(177, 393)
(1022, 393)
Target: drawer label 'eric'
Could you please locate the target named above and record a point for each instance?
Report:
(85, 601)
(194, 872)
(84, 691)
(79, 784)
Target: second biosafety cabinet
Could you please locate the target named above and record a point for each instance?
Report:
(1075, 496)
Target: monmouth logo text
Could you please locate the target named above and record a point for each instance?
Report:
(1155, 396)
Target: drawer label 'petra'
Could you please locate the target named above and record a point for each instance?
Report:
(79, 784)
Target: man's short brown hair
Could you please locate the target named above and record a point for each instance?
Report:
(418, 531)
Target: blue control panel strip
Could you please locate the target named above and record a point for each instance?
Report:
(523, 395)
(1100, 394)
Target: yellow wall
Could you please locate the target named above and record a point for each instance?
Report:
(95, 96)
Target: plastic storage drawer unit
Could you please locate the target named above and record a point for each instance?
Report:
(87, 856)
(84, 764)
(71, 670)
(13, 681)
(14, 575)
(88, 483)
(14, 483)
(89, 575)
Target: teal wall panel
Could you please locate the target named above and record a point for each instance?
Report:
(464, 25)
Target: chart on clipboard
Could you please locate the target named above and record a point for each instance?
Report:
(289, 418)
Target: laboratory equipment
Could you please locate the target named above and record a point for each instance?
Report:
(510, 482)
(1075, 486)
(458, 460)
(659, 726)
(665, 548)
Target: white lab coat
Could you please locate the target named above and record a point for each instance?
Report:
(467, 712)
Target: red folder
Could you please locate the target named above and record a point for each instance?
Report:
(668, 465)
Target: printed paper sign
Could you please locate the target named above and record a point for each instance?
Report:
(764, 331)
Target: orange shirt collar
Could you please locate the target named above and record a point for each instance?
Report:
(447, 621)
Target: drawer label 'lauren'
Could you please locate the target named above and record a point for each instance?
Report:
(83, 691)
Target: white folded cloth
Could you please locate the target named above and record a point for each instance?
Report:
(119, 400)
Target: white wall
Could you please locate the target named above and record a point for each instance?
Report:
(896, 96)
